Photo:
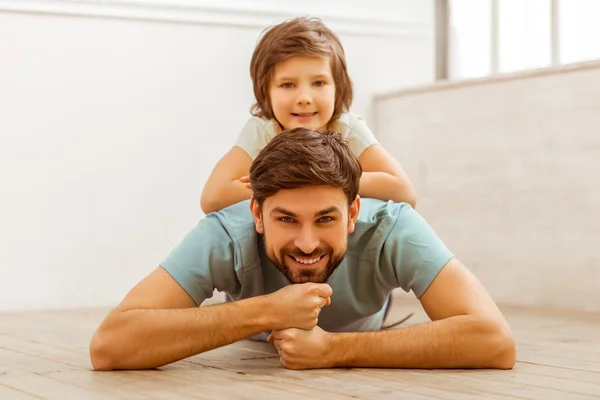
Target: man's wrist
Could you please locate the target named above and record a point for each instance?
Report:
(259, 313)
(265, 316)
(338, 350)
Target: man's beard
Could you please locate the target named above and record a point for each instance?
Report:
(306, 274)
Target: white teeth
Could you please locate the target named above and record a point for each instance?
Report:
(309, 261)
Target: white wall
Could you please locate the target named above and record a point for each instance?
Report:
(112, 115)
(507, 170)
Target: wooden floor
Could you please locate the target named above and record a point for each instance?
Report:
(44, 355)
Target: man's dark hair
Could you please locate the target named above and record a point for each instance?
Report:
(304, 157)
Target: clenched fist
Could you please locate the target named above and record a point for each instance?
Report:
(299, 305)
(302, 349)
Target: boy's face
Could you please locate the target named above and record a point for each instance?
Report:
(302, 92)
(306, 230)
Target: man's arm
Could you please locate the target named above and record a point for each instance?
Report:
(467, 331)
(158, 323)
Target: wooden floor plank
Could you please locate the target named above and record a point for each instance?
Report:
(549, 360)
(331, 383)
(559, 371)
(415, 383)
(47, 388)
(45, 355)
(531, 383)
(8, 393)
(464, 382)
(74, 357)
(546, 348)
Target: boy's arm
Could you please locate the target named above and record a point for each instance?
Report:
(223, 187)
(467, 331)
(383, 177)
(158, 323)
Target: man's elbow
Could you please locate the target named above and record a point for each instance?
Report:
(100, 353)
(107, 350)
(508, 354)
(504, 350)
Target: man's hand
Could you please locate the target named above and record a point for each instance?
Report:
(302, 349)
(299, 305)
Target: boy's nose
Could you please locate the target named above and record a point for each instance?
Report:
(304, 97)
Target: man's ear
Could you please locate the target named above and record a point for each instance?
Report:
(257, 216)
(353, 213)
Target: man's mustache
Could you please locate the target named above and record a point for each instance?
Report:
(314, 254)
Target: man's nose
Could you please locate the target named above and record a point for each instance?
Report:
(307, 241)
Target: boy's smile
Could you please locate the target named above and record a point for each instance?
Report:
(302, 92)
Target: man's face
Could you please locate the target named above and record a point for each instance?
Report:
(306, 230)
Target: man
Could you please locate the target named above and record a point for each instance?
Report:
(312, 266)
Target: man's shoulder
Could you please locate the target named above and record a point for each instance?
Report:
(376, 220)
(236, 219)
(231, 232)
(375, 211)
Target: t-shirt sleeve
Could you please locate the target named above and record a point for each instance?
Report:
(254, 136)
(414, 252)
(360, 137)
(204, 261)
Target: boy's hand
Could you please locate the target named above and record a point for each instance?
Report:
(246, 180)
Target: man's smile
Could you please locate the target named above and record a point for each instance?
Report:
(309, 262)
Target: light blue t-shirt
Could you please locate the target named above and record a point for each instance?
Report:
(392, 247)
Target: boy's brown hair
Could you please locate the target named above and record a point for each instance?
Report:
(298, 36)
(304, 157)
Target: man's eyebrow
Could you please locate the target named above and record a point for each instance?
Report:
(327, 211)
(283, 211)
(280, 210)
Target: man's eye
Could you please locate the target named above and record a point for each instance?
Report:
(325, 219)
(286, 219)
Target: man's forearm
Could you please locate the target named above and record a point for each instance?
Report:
(457, 342)
(148, 338)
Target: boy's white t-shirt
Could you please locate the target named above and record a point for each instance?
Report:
(257, 132)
